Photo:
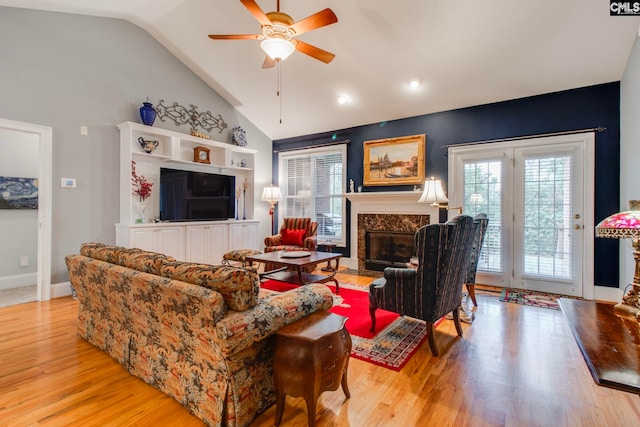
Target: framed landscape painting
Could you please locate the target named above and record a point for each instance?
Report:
(18, 193)
(394, 161)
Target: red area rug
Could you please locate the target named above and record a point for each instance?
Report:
(397, 339)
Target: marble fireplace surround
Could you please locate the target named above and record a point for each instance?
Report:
(385, 222)
(399, 210)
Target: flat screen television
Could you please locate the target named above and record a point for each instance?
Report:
(196, 196)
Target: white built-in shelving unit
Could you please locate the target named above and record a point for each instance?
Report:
(198, 241)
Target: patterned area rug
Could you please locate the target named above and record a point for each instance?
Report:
(18, 295)
(365, 273)
(393, 346)
(397, 339)
(533, 298)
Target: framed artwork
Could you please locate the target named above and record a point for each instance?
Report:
(394, 161)
(18, 193)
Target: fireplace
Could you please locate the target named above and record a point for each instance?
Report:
(386, 240)
(387, 249)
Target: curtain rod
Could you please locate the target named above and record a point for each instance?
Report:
(517, 138)
(345, 141)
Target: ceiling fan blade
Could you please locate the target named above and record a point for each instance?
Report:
(268, 62)
(317, 20)
(234, 36)
(256, 11)
(314, 52)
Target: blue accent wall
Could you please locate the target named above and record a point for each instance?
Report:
(569, 110)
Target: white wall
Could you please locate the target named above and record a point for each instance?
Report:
(18, 158)
(629, 151)
(66, 71)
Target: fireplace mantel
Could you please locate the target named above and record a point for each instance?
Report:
(409, 197)
(394, 202)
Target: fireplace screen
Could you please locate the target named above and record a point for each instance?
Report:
(388, 249)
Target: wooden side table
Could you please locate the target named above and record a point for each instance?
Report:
(329, 245)
(311, 357)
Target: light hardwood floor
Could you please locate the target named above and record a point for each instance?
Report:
(514, 366)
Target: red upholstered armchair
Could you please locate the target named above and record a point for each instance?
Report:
(295, 234)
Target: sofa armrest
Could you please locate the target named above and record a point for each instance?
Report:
(239, 330)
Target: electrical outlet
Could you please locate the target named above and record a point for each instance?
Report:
(84, 130)
(24, 261)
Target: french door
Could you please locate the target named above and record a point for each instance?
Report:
(538, 195)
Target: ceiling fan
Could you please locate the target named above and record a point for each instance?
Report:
(279, 30)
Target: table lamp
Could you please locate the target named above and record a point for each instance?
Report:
(626, 225)
(272, 195)
(433, 193)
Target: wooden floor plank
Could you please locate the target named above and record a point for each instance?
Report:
(515, 365)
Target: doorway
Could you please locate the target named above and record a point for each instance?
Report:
(44, 138)
(540, 208)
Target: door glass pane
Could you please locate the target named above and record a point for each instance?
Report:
(547, 216)
(483, 194)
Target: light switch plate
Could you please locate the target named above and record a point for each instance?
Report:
(68, 183)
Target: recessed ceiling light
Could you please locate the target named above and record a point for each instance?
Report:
(344, 99)
(414, 84)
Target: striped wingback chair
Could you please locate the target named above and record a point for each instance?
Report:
(470, 280)
(284, 240)
(434, 288)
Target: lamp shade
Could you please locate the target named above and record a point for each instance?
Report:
(277, 48)
(622, 225)
(433, 192)
(271, 194)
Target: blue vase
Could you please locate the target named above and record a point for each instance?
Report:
(147, 113)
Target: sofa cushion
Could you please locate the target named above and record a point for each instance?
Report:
(102, 252)
(239, 287)
(138, 259)
(148, 262)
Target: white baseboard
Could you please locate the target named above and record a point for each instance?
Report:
(18, 280)
(604, 293)
(59, 290)
(349, 262)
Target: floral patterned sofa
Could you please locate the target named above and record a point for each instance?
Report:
(203, 334)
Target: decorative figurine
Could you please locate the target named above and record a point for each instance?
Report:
(351, 188)
(148, 145)
(239, 136)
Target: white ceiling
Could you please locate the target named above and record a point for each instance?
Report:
(465, 52)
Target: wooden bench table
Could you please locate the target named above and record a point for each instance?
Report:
(609, 344)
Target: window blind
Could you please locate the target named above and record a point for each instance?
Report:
(313, 182)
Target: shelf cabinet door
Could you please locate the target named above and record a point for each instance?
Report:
(206, 244)
(143, 239)
(164, 240)
(171, 242)
(243, 236)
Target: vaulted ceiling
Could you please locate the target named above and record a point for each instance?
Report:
(464, 53)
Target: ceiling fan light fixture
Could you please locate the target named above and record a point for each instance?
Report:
(277, 48)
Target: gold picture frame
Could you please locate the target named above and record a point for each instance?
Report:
(394, 161)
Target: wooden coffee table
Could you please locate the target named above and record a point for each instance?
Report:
(293, 266)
